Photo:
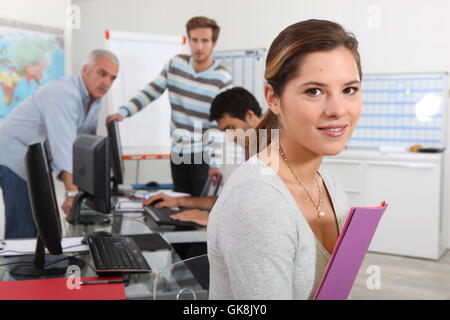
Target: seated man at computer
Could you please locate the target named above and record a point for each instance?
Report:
(233, 109)
(58, 111)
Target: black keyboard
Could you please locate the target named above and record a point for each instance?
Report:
(117, 254)
(162, 216)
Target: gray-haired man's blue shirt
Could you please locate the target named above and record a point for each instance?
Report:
(59, 112)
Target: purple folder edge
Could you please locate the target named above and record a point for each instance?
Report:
(318, 295)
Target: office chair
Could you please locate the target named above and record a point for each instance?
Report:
(206, 191)
(184, 280)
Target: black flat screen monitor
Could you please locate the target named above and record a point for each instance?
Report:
(46, 216)
(92, 176)
(118, 167)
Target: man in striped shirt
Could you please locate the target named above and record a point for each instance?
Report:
(193, 82)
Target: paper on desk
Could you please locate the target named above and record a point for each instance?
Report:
(146, 194)
(124, 204)
(28, 246)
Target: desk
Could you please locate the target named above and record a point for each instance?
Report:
(170, 282)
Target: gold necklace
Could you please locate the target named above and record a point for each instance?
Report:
(320, 212)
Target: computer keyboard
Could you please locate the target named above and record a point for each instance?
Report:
(163, 213)
(116, 254)
(162, 216)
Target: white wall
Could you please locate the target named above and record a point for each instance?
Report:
(411, 35)
(50, 13)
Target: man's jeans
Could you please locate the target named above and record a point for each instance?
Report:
(19, 221)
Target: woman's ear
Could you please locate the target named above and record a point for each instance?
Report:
(272, 100)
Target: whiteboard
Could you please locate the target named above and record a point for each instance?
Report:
(247, 70)
(402, 110)
(141, 58)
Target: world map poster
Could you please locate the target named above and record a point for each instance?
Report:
(30, 56)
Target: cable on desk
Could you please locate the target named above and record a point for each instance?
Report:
(32, 252)
(62, 259)
(17, 262)
(21, 252)
(46, 265)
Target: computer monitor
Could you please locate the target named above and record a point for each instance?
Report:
(46, 216)
(118, 168)
(92, 176)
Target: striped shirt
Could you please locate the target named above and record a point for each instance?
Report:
(190, 95)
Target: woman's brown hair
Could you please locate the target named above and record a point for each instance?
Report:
(290, 46)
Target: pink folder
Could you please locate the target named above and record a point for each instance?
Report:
(349, 252)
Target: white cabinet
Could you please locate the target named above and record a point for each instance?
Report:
(351, 175)
(412, 186)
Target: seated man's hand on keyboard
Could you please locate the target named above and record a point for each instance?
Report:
(200, 217)
(161, 200)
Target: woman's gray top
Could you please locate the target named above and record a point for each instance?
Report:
(259, 244)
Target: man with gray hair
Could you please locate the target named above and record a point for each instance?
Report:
(59, 111)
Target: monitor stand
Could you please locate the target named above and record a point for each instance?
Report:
(115, 191)
(43, 264)
(76, 217)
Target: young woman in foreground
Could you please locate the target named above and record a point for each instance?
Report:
(274, 226)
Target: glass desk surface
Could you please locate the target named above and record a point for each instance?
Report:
(166, 281)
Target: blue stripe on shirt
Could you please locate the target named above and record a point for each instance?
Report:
(188, 122)
(152, 92)
(190, 106)
(160, 83)
(215, 75)
(143, 100)
(194, 89)
(182, 66)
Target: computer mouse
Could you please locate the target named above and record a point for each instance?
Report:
(154, 202)
(152, 184)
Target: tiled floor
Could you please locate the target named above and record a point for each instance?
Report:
(404, 278)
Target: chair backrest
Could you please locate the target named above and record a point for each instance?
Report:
(182, 280)
(206, 191)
